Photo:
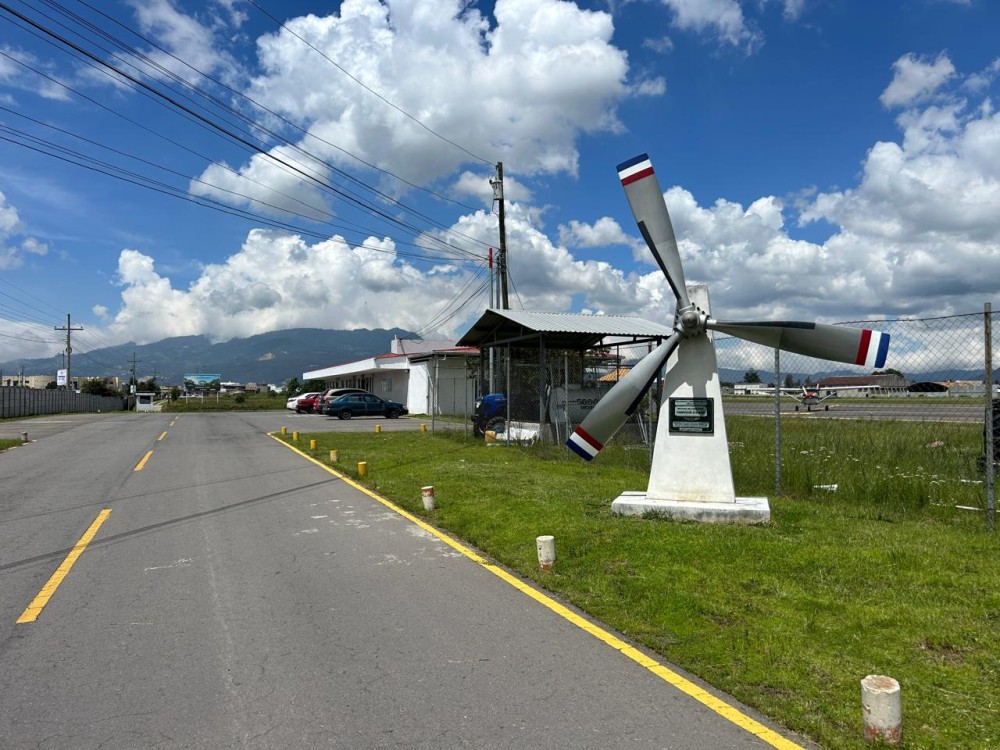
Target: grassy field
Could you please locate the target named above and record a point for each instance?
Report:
(249, 402)
(882, 575)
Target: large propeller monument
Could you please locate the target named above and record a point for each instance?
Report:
(691, 476)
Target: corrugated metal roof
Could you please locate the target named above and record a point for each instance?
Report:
(561, 330)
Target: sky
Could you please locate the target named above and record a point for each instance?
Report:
(232, 167)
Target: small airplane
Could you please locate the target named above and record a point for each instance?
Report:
(810, 397)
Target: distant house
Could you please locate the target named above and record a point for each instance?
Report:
(751, 389)
(408, 372)
(27, 381)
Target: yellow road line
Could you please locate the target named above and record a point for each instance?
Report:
(666, 674)
(38, 603)
(162, 435)
(139, 466)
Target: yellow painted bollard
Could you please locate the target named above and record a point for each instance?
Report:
(423, 427)
(295, 435)
(362, 469)
(333, 457)
(312, 445)
(284, 430)
(378, 428)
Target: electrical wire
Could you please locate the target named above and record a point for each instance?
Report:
(242, 141)
(364, 86)
(231, 133)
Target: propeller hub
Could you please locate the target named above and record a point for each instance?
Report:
(691, 322)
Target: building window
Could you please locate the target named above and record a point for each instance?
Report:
(387, 385)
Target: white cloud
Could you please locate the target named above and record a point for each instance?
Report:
(15, 245)
(721, 17)
(922, 223)
(793, 9)
(916, 78)
(186, 38)
(521, 92)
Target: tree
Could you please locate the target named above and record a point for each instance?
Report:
(175, 393)
(889, 371)
(790, 381)
(292, 387)
(51, 385)
(97, 387)
(751, 376)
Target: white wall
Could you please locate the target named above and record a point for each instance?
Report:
(455, 392)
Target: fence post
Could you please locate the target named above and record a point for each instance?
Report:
(988, 427)
(777, 421)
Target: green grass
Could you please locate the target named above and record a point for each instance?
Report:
(226, 403)
(787, 617)
(6, 443)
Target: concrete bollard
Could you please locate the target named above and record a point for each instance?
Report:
(546, 546)
(882, 710)
(378, 428)
(284, 430)
(490, 436)
(24, 437)
(333, 457)
(362, 469)
(427, 495)
(295, 435)
(423, 427)
(312, 445)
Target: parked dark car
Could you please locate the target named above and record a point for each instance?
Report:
(364, 405)
(331, 393)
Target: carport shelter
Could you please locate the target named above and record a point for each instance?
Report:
(546, 331)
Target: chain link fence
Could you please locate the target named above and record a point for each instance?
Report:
(918, 432)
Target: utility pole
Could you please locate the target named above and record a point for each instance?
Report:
(133, 386)
(497, 185)
(69, 347)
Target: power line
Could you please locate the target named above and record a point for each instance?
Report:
(365, 87)
(295, 168)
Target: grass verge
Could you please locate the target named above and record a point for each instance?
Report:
(787, 617)
(6, 443)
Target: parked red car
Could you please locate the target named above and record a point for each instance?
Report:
(306, 403)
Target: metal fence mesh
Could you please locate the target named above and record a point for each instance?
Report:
(920, 421)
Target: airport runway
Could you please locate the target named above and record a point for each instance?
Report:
(937, 410)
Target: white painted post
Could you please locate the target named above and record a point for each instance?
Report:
(427, 495)
(882, 710)
(546, 546)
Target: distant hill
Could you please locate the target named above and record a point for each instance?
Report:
(266, 358)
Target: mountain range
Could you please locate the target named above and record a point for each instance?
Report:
(266, 358)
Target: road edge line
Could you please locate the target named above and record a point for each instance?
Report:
(686, 686)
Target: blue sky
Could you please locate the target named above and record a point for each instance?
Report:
(822, 160)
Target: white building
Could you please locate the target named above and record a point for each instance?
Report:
(408, 374)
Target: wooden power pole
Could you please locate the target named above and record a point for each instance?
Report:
(502, 258)
(69, 348)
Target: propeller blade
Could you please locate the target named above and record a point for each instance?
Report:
(857, 346)
(618, 404)
(646, 200)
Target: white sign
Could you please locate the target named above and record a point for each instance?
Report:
(60, 377)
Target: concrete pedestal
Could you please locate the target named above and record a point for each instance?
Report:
(743, 510)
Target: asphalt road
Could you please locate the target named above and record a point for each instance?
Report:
(234, 594)
(931, 410)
